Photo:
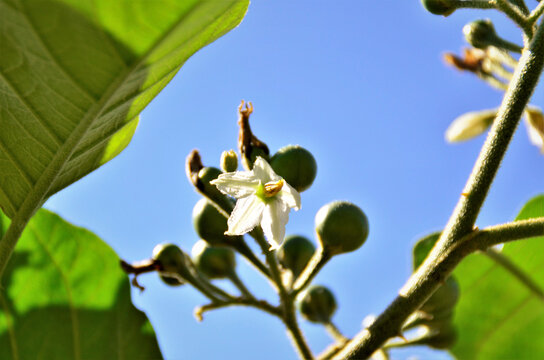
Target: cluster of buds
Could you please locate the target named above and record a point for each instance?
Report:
(491, 59)
(257, 201)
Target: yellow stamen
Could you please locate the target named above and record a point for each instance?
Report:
(272, 188)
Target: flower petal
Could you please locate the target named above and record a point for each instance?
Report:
(246, 215)
(263, 171)
(275, 217)
(238, 184)
(289, 196)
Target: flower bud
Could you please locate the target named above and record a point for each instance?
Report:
(317, 304)
(294, 253)
(443, 299)
(534, 120)
(207, 174)
(210, 225)
(341, 227)
(296, 165)
(170, 280)
(229, 161)
(170, 258)
(481, 34)
(470, 125)
(438, 7)
(213, 262)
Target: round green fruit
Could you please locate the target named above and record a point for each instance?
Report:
(207, 174)
(210, 225)
(213, 262)
(444, 298)
(294, 253)
(170, 280)
(480, 33)
(438, 7)
(296, 165)
(317, 304)
(170, 258)
(341, 227)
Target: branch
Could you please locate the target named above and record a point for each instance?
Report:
(428, 277)
(259, 304)
(447, 253)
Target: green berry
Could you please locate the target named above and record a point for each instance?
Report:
(317, 304)
(341, 227)
(229, 161)
(444, 298)
(480, 33)
(170, 280)
(210, 225)
(438, 7)
(213, 262)
(170, 258)
(294, 253)
(440, 338)
(296, 165)
(207, 174)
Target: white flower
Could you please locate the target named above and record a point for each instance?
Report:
(263, 198)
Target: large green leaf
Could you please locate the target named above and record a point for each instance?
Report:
(75, 74)
(498, 317)
(65, 297)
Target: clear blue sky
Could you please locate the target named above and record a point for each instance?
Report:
(362, 85)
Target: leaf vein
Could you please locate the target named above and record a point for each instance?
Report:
(73, 310)
(16, 165)
(11, 328)
(31, 110)
(53, 59)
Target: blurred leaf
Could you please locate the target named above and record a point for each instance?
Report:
(498, 317)
(423, 247)
(65, 297)
(75, 74)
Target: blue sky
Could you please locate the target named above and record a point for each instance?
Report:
(362, 85)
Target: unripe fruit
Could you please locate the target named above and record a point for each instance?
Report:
(229, 161)
(210, 225)
(170, 280)
(296, 165)
(441, 338)
(438, 7)
(207, 174)
(170, 258)
(294, 253)
(341, 227)
(444, 298)
(213, 262)
(317, 304)
(480, 33)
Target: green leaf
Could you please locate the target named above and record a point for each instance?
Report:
(498, 317)
(423, 247)
(75, 74)
(65, 297)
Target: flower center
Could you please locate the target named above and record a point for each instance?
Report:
(272, 188)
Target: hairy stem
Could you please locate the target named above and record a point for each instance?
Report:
(287, 302)
(450, 250)
(537, 12)
(259, 304)
(320, 258)
(516, 15)
(240, 285)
